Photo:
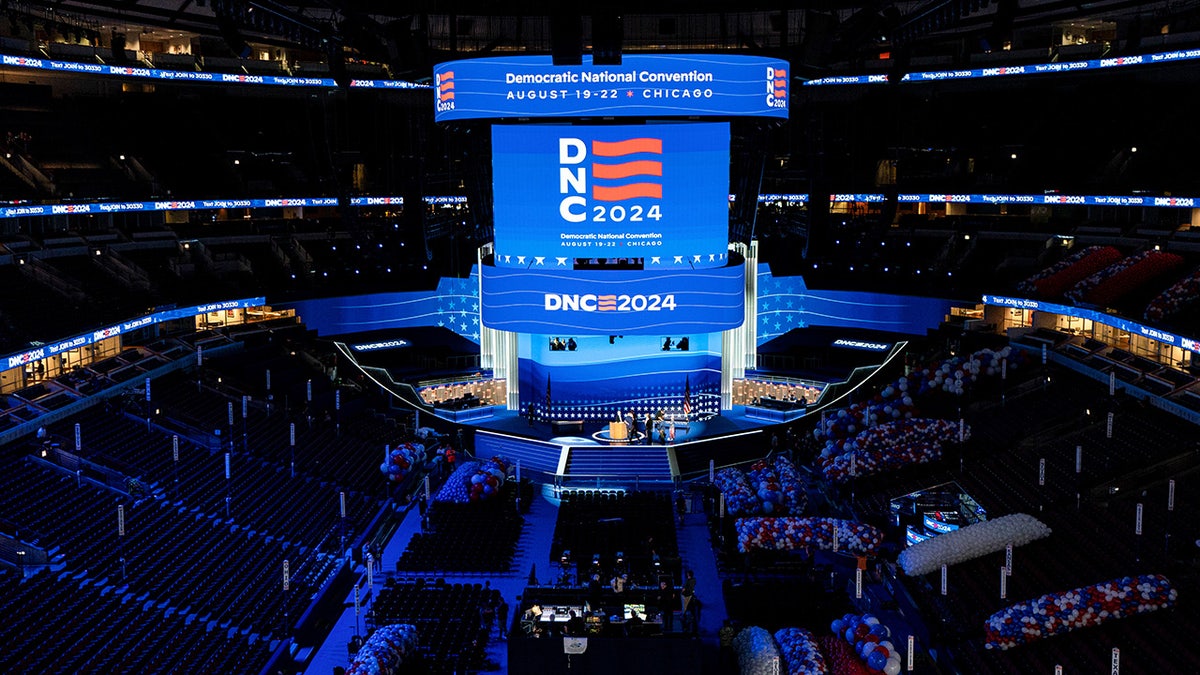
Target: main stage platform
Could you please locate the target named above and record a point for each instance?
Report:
(580, 460)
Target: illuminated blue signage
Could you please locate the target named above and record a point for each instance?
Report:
(29, 210)
(1134, 327)
(612, 302)
(644, 85)
(376, 346)
(35, 210)
(194, 76)
(939, 526)
(127, 326)
(656, 192)
(1005, 71)
(862, 344)
(914, 537)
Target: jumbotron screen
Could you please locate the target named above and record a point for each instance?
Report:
(657, 192)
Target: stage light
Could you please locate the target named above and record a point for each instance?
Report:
(966, 237)
(1013, 156)
(1133, 149)
(237, 162)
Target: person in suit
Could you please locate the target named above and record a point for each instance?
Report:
(575, 625)
(666, 604)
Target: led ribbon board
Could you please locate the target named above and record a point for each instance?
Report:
(656, 192)
(613, 302)
(1165, 337)
(644, 85)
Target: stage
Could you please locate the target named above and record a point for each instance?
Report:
(728, 422)
(578, 460)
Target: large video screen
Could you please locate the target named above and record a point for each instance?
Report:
(610, 373)
(658, 192)
(644, 85)
(633, 302)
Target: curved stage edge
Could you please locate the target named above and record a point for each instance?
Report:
(574, 458)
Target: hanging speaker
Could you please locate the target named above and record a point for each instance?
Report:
(566, 39)
(608, 35)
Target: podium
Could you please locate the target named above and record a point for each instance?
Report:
(618, 431)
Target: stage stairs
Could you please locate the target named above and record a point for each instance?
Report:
(609, 463)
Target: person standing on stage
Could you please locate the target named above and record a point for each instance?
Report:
(666, 604)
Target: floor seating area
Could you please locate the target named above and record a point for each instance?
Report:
(471, 538)
(451, 631)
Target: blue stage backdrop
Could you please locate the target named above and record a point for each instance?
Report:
(631, 373)
(454, 304)
(657, 191)
(644, 85)
(785, 303)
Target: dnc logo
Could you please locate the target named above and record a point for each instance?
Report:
(444, 86)
(777, 96)
(620, 171)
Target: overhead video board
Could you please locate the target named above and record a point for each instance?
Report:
(644, 85)
(658, 192)
(613, 302)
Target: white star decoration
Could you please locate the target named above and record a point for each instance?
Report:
(678, 260)
(655, 260)
(539, 260)
(562, 262)
(520, 260)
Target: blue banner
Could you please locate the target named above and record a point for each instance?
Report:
(114, 330)
(658, 192)
(786, 303)
(613, 302)
(1134, 327)
(195, 76)
(28, 210)
(644, 85)
(1173, 56)
(21, 210)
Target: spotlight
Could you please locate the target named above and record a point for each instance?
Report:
(1133, 149)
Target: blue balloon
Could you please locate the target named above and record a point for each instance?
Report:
(838, 626)
(383, 468)
(876, 660)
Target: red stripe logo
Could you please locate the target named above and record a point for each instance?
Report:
(620, 171)
(445, 86)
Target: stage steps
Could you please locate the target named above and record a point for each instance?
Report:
(539, 459)
(619, 462)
